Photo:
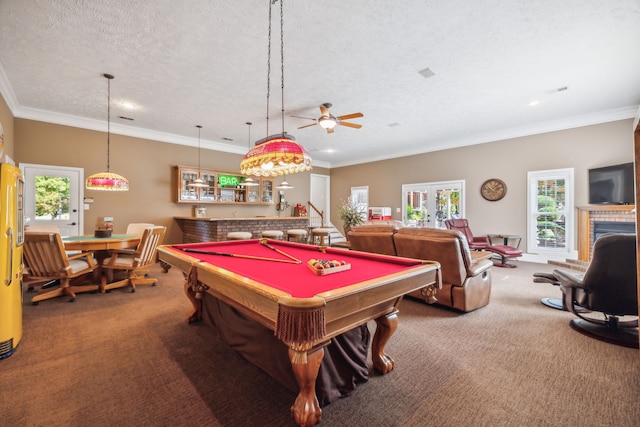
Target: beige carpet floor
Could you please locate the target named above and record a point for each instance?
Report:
(123, 359)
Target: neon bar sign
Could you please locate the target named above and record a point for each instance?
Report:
(228, 181)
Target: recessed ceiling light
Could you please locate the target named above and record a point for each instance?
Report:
(534, 103)
(128, 105)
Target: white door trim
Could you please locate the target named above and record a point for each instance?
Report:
(75, 224)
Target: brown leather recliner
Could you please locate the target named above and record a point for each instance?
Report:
(462, 225)
(466, 278)
(482, 243)
(466, 275)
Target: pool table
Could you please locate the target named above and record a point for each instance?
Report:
(271, 282)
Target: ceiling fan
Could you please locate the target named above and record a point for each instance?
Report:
(328, 121)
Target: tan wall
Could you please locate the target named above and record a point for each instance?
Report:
(509, 160)
(6, 119)
(149, 167)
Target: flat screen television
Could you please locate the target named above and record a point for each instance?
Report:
(612, 185)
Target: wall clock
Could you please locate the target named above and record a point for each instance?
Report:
(493, 189)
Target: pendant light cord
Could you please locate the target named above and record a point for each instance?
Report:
(282, 61)
(109, 77)
(199, 127)
(269, 64)
(271, 3)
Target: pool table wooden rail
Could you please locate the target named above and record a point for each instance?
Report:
(345, 308)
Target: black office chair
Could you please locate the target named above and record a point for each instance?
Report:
(609, 287)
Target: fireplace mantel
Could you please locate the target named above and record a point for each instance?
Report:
(590, 213)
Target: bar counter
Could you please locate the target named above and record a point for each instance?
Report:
(196, 229)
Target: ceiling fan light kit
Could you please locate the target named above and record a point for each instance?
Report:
(328, 121)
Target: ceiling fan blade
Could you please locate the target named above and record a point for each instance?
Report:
(350, 116)
(306, 126)
(351, 125)
(329, 130)
(302, 117)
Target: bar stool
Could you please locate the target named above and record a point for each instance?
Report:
(239, 235)
(297, 235)
(273, 234)
(318, 234)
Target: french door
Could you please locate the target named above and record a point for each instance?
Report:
(430, 204)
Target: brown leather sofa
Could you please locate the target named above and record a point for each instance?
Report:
(376, 238)
(396, 224)
(466, 275)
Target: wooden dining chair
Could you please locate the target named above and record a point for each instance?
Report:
(138, 228)
(134, 264)
(46, 261)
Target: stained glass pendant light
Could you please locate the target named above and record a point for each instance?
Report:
(278, 154)
(107, 181)
(198, 182)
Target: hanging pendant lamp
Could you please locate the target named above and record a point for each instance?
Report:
(276, 154)
(198, 182)
(285, 186)
(107, 181)
(249, 182)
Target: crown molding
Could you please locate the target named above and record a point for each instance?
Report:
(510, 133)
(7, 92)
(630, 112)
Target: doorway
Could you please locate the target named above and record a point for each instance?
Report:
(320, 198)
(52, 196)
(430, 204)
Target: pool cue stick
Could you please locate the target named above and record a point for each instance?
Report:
(259, 258)
(264, 243)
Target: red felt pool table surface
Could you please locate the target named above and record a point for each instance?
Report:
(298, 280)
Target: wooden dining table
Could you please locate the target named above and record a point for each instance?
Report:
(92, 243)
(100, 247)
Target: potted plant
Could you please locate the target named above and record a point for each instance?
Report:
(351, 215)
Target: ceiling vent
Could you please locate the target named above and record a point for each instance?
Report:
(426, 73)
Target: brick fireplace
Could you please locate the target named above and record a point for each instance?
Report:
(609, 217)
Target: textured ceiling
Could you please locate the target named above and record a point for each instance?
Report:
(205, 62)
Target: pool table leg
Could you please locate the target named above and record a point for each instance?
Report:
(196, 302)
(386, 326)
(306, 409)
